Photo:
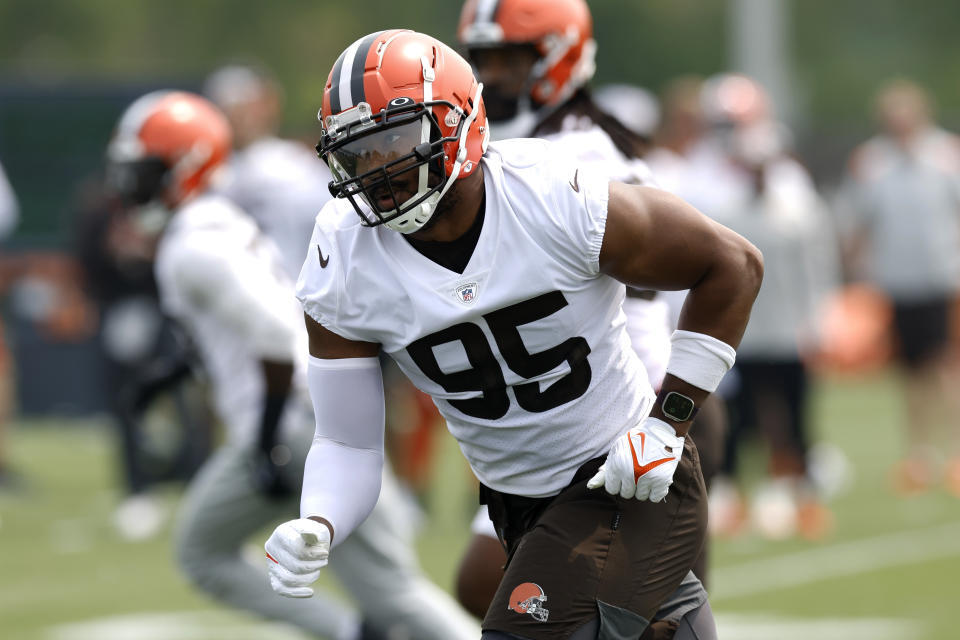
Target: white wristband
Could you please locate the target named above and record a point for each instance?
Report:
(699, 359)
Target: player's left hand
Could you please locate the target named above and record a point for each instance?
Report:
(641, 462)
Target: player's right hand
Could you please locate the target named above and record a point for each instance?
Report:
(296, 551)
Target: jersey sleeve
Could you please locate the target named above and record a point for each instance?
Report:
(322, 281)
(576, 198)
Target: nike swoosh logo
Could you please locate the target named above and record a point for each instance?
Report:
(323, 261)
(270, 557)
(638, 469)
(576, 181)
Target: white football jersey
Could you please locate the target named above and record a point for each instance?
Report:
(594, 150)
(282, 185)
(525, 353)
(222, 279)
(648, 321)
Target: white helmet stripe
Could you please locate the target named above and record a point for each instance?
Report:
(346, 88)
(346, 72)
(486, 10)
(126, 145)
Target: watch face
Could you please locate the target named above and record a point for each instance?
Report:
(677, 406)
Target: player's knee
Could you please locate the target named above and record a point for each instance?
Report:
(199, 564)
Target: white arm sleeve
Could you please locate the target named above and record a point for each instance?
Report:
(242, 290)
(8, 206)
(341, 479)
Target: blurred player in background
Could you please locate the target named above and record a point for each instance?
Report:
(535, 59)
(278, 182)
(434, 283)
(147, 360)
(283, 186)
(9, 215)
(770, 199)
(678, 136)
(639, 111)
(224, 281)
(903, 235)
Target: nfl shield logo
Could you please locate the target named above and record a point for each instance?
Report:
(467, 293)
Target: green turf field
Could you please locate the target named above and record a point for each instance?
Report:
(888, 570)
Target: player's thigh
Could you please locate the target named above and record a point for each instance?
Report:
(697, 625)
(592, 554)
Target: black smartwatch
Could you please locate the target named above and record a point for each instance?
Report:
(678, 407)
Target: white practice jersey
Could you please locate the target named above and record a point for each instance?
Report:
(221, 278)
(282, 185)
(594, 150)
(648, 321)
(525, 353)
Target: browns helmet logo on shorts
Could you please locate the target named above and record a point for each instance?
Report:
(529, 598)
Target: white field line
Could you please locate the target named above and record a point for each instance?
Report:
(836, 561)
(766, 626)
(174, 625)
(226, 626)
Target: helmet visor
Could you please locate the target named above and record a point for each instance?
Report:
(382, 166)
(376, 149)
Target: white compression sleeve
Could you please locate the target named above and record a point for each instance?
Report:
(341, 479)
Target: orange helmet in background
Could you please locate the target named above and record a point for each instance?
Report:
(561, 31)
(403, 120)
(166, 148)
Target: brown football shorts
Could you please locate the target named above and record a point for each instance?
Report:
(585, 554)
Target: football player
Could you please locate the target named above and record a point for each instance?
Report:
(9, 215)
(535, 58)
(278, 182)
(901, 233)
(223, 280)
(493, 274)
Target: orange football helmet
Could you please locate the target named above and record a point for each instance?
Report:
(166, 148)
(403, 120)
(561, 31)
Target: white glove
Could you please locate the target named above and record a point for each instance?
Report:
(641, 463)
(296, 551)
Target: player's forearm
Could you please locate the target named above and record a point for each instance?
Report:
(341, 486)
(712, 321)
(341, 480)
(277, 377)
